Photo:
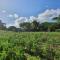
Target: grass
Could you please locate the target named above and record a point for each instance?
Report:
(12, 43)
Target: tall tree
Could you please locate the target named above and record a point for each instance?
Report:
(26, 26)
(57, 19)
(2, 25)
(12, 28)
(35, 25)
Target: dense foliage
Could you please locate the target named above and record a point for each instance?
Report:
(34, 26)
(45, 26)
(29, 46)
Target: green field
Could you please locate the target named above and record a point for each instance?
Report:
(29, 45)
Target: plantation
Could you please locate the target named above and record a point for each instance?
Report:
(29, 45)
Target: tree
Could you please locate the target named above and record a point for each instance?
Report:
(12, 28)
(35, 25)
(57, 19)
(2, 25)
(46, 26)
(26, 26)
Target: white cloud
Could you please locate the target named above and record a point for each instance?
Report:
(13, 16)
(20, 20)
(9, 25)
(32, 18)
(48, 15)
(10, 16)
(3, 11)
(16, 15)
(42, 17)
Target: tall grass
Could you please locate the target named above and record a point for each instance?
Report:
(29, 45)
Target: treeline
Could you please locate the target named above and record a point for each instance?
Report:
(34, 26)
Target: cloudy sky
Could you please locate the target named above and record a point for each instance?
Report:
(13, 12)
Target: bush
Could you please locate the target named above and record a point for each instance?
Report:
(57, 30)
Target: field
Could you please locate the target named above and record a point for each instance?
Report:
(29, 45)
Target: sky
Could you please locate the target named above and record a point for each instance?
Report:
(13, 12)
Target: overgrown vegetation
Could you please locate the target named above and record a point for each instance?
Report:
(29, 46)
(32, 41)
